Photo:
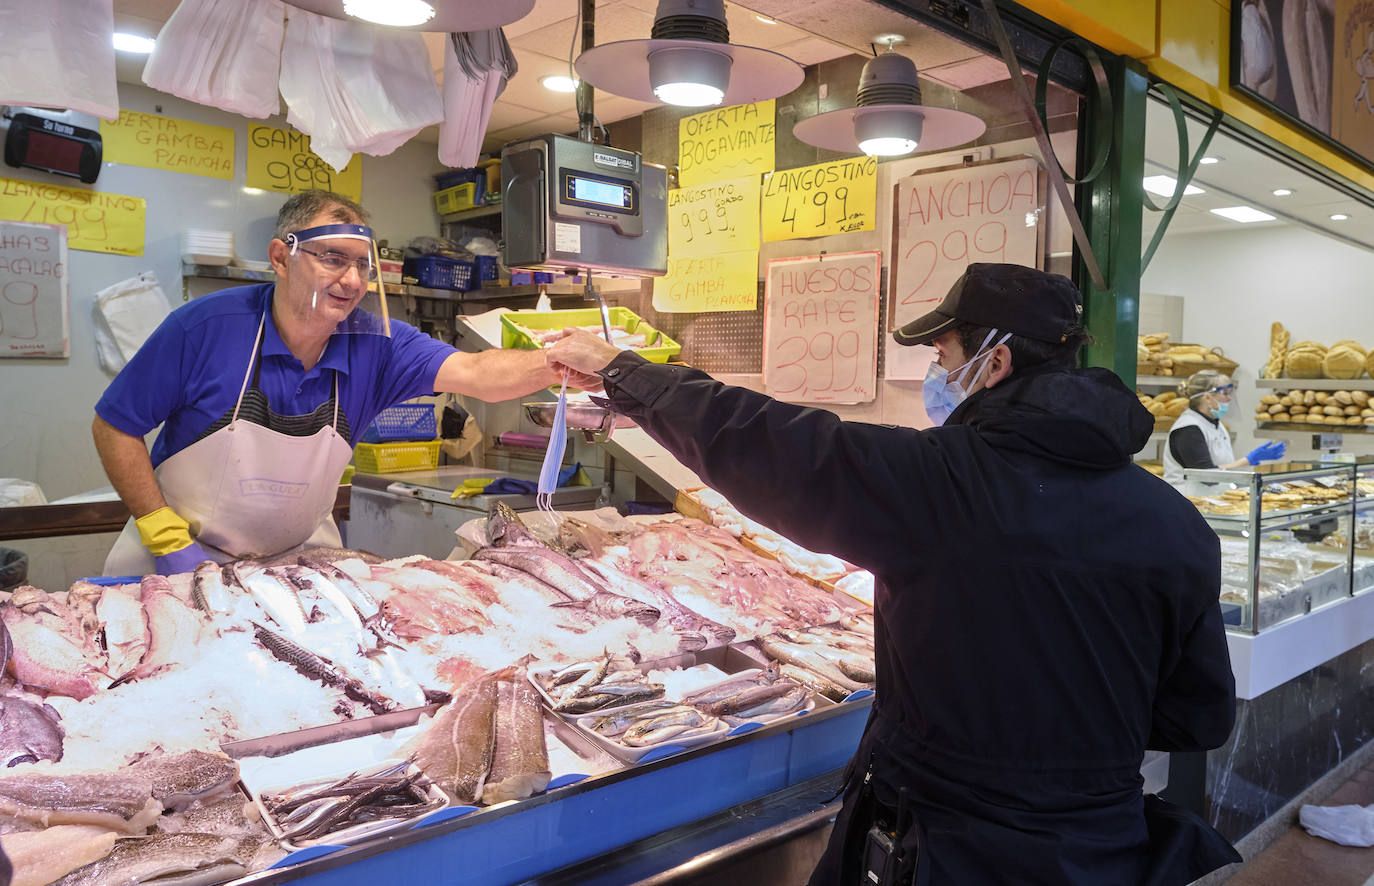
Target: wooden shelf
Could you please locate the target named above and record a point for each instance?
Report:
(1316, 384)
(1170, 381)
(471, 214)
(1312, 428)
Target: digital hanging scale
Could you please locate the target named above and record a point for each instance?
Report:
(53, 146)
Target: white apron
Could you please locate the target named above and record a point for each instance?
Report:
(247, 490)
(1218, 444)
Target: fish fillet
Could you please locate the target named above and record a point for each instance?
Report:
(121, 802)
(173, 629)
(126, 631)
(138, 861)
(520, 759)
(456, 750)
(40, 857)
(46, 659)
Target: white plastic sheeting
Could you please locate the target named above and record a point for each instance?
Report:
(126, 313)
(221, 53)
(59, 54)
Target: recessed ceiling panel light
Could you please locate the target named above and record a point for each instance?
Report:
(396, 13)
(132, 43)
(1164, 186)
(766, 20)
(1208, 161)
(1283, 192)
(1243, 214)
(1339, 216)
(559, 83)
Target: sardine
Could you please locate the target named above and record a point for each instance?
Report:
(162, 855)
(520, 759)
(320, 668)
(28, 732)
(590, 678)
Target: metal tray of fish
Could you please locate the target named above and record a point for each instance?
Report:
(736, 721)
(434, 799)
(711, 729)
(541, 673)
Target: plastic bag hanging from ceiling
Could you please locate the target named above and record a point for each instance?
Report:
(221, 53)
(476, 68)
(59, 54)
(355, 88)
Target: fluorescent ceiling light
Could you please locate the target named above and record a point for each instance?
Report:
(252, 191)
(1243, 214)
(1340, 216)
(765, 19)
(1283, 192)
(133, 43)
(396, 13)
(559, 83)
(1164, 186)
(1208, 161)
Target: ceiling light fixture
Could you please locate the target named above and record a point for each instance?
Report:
(436, 16)
(559, 83)
(133, 43)
(689, 61)
(1283, 192)
(766, 20)
(1339, 216)
(1243, 214)
(1208, 161)
(1165, 185)
(890, 120)
(395, 13)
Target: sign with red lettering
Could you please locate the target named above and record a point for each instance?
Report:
(946, 220)
(820, 328)
(34, 318)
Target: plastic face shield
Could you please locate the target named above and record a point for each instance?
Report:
(328, 256)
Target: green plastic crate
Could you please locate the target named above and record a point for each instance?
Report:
(513, 337)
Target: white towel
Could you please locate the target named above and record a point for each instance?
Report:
(59, 54)
(126, 313)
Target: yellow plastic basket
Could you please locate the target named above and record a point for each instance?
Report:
(513, 336)
(388, 458)
(456, 198)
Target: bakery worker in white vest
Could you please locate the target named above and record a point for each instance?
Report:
(1198, 439)
(261, 392)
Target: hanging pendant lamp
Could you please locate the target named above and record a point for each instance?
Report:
(428, 15)
(689, 61)
(890, 120)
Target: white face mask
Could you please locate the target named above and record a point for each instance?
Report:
(941, 395)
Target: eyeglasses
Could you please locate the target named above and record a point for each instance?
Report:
(337, 263)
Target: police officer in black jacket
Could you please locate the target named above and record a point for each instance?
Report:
(1046, 611)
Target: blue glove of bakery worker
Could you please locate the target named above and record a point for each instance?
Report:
(183, 560)
(1267, 452)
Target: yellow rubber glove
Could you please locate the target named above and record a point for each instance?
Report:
(472, 486)
(163, 532)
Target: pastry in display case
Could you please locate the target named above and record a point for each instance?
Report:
(1285, 533)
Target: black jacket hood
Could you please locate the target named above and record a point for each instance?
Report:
(1081, 417)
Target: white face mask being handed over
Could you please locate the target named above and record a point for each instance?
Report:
(941, 394)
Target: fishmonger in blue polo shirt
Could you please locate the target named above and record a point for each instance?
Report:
(261, 390)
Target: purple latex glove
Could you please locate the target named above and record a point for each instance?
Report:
(184, 560)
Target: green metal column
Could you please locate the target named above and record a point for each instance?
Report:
(1113, 220)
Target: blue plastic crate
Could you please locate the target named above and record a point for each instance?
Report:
(486, 270)
(408, 421)
(436, 272)
(451, 177)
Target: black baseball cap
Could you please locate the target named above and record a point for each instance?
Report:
(1011, 298)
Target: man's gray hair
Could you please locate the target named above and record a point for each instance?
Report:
(301, 209)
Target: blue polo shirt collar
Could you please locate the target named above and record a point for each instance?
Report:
(335, 355)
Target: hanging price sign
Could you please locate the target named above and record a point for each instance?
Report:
(714, 218)
(815, 201)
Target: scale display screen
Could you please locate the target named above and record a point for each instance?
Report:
(584, 190)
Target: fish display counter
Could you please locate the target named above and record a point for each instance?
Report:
(330, 716)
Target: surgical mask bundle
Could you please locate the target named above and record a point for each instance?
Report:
(942, 395)
(553, 455)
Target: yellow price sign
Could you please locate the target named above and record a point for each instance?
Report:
(714, 218)
(725, 282)
(281, 160)
(815, 201)
(95, 221)
(726, 143)
(160, 142)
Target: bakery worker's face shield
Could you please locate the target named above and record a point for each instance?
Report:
(331, 269)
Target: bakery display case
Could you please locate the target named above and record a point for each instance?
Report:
(1285, 532)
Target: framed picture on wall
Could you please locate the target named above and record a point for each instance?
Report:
(1313, 62)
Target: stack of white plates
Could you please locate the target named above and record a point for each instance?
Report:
(207, 247)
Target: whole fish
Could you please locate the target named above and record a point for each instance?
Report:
(320, 668)
(815, 682)
(616, 723)
(563, 575)
(178, 780)
(28, 732)
(730, 687)
(683, 715)
(696, 631)
(161, 855)
(278, 600)
(671, 732)
(364, 602)
(776, 698)
(208, 590)
(592, 676)
(807, 657)
(519, 758)
(312, 585)
(505, 529)
(862, 624)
